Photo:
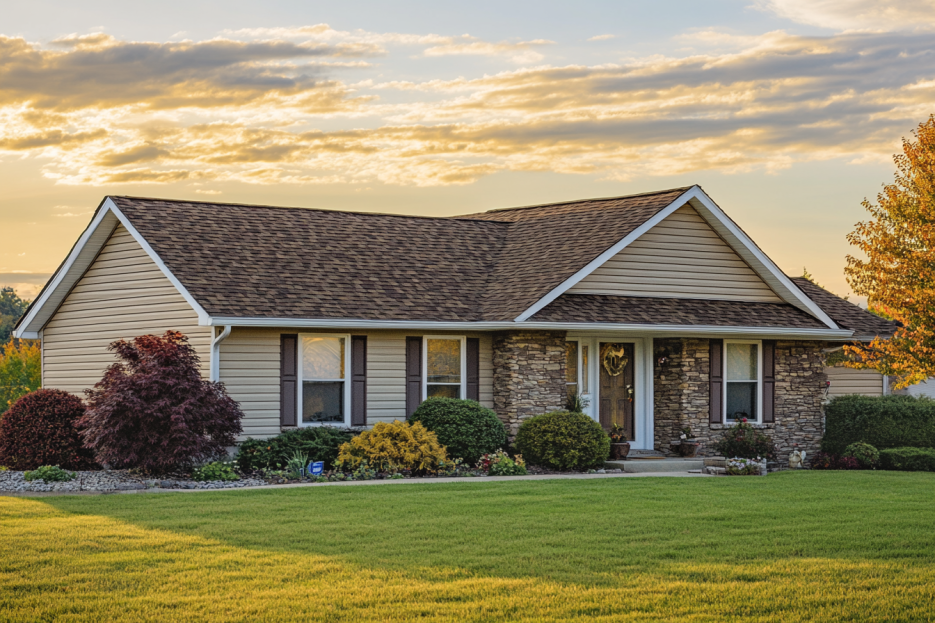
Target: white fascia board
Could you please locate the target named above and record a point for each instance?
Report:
(641, 329)
(606, 255)
(754, 256)
(203, 318)
(84, 251)
(90, 243)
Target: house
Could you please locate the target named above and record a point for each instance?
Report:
(656, 307)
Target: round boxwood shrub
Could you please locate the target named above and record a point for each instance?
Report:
(563, 440)
(39, 429)
(466, 428)
(866, 455)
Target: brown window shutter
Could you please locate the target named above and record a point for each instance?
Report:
(358, 380)
(769, 380)
(473, 368)
(716, 391)
(413, 374)
(288, 378)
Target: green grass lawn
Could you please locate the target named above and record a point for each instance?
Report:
(807, 546)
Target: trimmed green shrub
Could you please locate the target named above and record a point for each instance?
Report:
(883, 422)
(866, 455)
(320, 443)
(466, 428)
(563, 440)
(908, 459)
(215, 470)
(50, 473)
(743, 441)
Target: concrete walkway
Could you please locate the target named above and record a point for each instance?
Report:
(363, 483)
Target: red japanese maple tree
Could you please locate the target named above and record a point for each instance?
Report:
(154, 411)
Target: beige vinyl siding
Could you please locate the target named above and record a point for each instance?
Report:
(846, 381)
(249, 368)
(122, 295)
(681, 257)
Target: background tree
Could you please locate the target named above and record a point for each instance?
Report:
(20, 370)
(898, 276)
(11, 308)
(152, 409)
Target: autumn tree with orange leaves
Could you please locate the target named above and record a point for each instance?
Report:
(898, 276)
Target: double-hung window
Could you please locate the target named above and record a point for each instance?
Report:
(743, 395)
(325, 392)
(444, 367)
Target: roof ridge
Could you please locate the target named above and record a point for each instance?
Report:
(573, 201)
(270, 207)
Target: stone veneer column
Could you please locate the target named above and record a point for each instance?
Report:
(681, 396)
(528, 375)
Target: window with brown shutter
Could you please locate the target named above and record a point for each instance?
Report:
(288, 378)
(473, 368)
(716, 389)
(769, 380)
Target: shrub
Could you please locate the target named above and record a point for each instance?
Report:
(320, 443)
(908, 459)
(466, 429)
(563, 440)
(746, 442)
(866, 455)
(500, 464)
(394, 447)
(50, 473)
(20, 371)
(826, 460)
(216, 470)
(39, 429)
(883, 422)
(153, 411)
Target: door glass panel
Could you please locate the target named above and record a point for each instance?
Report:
(741, 401)
(571, 362)
(444, 361)
(322, 402)
(741, 362)
(584, 370)
(322, 357)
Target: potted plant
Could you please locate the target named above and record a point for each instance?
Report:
(619, 443)
(688, 445)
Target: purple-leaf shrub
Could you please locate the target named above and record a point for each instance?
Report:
(153, 411)
(39, 429)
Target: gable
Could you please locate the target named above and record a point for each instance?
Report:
(122, 295)
(680, 257)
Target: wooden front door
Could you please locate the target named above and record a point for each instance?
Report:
(618, 389)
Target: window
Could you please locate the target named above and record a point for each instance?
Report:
(571, 368)
(742, 381)
(322, 376)
(444, 362)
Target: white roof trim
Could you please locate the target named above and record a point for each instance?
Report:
(727, 229)
(82, 255)
(649, 329)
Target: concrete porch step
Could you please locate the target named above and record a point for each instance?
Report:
(645, 454)
(662, 465)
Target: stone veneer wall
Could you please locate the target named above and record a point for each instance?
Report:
(681, 395)
(528, 375)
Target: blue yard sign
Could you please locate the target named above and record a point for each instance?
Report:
(316, 468)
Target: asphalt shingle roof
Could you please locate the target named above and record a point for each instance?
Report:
(845, 314)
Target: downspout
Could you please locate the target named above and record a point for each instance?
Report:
(215, 368)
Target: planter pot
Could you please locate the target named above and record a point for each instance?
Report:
(688, 448)
(619, 451)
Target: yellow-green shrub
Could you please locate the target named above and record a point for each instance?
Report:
(394, 447)
(20, 371)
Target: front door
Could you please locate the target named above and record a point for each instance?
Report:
(617, 386)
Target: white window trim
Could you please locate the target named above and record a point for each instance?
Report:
(425, 363)
(759, 381)
(345, 380)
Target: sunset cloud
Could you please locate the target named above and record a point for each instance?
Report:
(867, 15)
(259, 107)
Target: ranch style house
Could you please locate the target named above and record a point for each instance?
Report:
(657, 308)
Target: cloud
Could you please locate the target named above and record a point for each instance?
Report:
(866, 15)
(601, 37)
(763, 102)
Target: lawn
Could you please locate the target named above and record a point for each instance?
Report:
(809, 546)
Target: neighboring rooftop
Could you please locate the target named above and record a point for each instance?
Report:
(864, 324)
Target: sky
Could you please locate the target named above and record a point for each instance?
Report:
(787, 112)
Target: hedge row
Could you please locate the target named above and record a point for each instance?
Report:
(883, 422)
(908, 459)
